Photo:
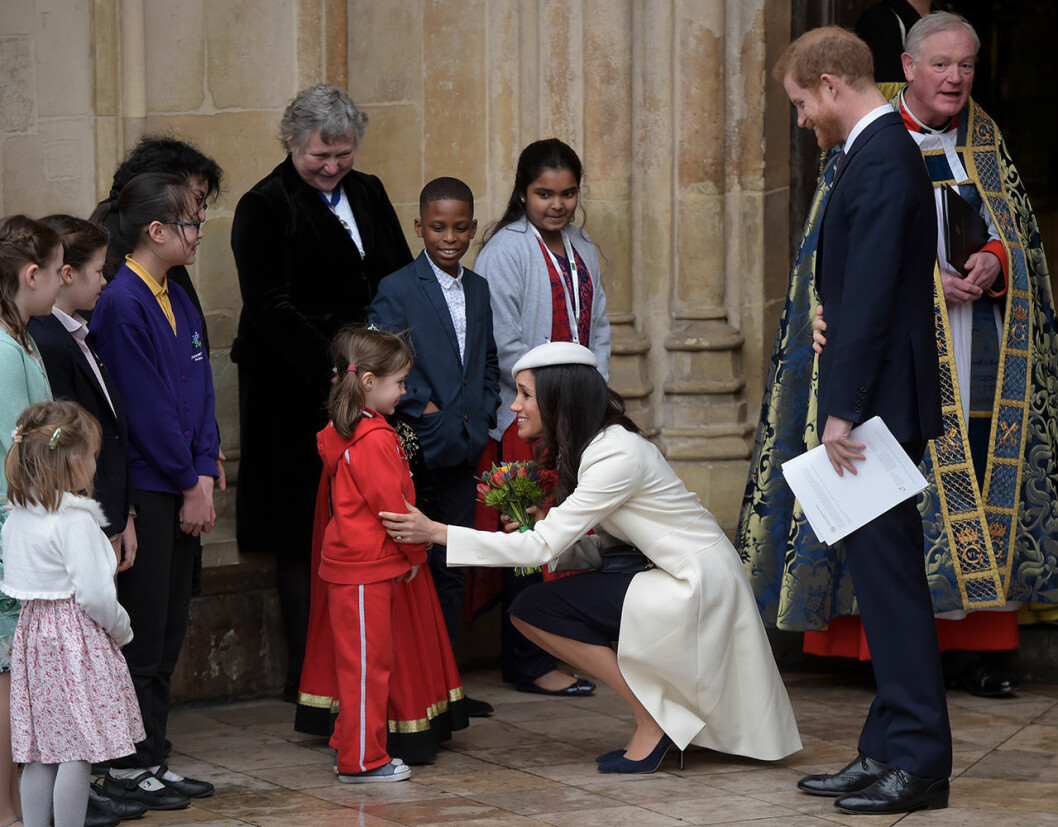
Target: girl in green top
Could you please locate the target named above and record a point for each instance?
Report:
(30, 265)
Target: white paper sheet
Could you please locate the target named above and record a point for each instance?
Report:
(836, 506)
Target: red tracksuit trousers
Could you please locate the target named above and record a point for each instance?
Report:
(361, 617)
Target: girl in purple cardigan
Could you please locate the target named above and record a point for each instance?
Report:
(149, 335)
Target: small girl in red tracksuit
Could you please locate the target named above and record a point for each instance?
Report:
(377, 651)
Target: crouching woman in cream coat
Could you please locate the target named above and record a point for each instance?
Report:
(692, 659)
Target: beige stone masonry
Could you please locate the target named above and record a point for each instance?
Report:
(683, 136)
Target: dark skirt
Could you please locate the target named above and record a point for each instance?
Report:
(586, 608)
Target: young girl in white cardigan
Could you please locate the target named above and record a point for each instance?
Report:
(72, 701)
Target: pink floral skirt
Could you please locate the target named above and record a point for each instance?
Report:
(71, 695)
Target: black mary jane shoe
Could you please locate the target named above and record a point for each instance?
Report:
(578, 689)
(163, 797)
(897, 792)
(852, 778)
(103, 805)
(191, 787)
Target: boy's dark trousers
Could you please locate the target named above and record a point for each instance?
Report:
(456, 492)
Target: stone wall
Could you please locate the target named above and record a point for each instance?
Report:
(683, 135)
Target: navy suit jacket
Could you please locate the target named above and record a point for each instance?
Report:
(71, 378)
(874, 274)
(467, 392)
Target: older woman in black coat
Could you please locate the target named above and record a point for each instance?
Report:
(311, 242)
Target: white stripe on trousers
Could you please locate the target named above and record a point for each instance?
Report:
(363, 681)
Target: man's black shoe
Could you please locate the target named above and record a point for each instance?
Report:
(477, 709)
(860, 773)
(897, 792)
(112, 807)
(146, 789)
(984, 683)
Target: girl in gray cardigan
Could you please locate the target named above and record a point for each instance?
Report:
(542, 271)
(544, 286)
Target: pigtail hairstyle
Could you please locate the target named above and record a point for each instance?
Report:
(23, 241)
(575, 405)
(150, 197)
(356, 351)
(80, 239)
(48, 444)
(535, 158)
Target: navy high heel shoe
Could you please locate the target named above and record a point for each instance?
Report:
(649, 764)
(607, 756)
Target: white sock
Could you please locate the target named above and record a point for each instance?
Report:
(148, 784)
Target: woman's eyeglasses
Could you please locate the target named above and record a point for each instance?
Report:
(195, 224)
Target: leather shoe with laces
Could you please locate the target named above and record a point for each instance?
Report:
(985, 683)
(103, 805)
(860, 773)
(97, 814)
(897, 792)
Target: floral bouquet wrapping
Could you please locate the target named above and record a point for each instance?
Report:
(512, 489)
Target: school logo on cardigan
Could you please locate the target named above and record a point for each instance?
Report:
(196, 340)
(196, 343)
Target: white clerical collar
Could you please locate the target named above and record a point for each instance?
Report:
(864, 122)
(922, 127)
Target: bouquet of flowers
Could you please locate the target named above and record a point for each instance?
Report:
(514, 487)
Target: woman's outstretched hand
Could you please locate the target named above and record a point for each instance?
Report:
(513, 525)
(413, 527)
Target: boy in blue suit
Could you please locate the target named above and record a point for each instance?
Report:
(453, 390)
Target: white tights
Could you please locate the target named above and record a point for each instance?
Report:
(63, 787)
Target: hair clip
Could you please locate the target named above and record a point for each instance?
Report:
(374, 327)
(351, 368)
(54, 438)
(16, 435)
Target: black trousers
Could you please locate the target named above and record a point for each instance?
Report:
(907, 726)
(156, 592)
(455, 487)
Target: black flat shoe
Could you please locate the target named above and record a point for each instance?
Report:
(897, 792)
(122, 809)
(984, 683)
(190, 787)
(578, 689)
(98, 814)
(856, 776)
(477, 709)
(163, 797)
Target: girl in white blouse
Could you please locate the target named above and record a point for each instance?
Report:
(72, 701)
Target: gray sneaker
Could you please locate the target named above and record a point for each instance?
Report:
(395, 770)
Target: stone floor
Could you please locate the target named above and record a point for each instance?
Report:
(531, 764)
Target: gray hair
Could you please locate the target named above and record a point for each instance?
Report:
(323, 108)
(938, 21)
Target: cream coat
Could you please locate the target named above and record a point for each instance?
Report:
(692, 646)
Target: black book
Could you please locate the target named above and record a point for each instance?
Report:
(965, 232)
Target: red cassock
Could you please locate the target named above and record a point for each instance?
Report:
(377, 655)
